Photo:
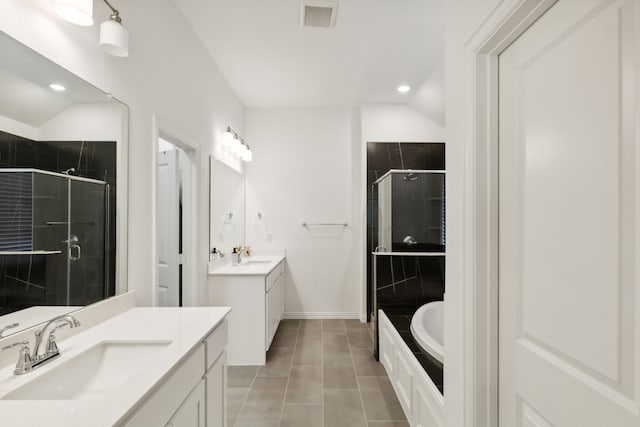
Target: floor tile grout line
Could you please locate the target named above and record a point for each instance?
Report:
(286, 388)
(244, 402)
(364, 414)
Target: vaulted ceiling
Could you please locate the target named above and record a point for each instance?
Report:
(270, 60)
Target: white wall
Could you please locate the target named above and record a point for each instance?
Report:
(398, 123)
(309, 165)
(18, 128)
(429, 98)
(84, 122)
(168, 74)
(306, 168)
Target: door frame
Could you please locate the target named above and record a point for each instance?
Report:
(477, 335)
(190, 239)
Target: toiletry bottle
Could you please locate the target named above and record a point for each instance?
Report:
(235, 257)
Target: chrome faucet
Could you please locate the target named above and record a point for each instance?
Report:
(47, 332)
(27, 363)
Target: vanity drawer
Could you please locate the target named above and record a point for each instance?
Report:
(274, 275)
(215, 344)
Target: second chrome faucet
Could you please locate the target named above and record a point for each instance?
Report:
(42, 353)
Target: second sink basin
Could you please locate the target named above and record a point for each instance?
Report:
(92, 373)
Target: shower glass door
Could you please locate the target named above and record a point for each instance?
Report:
(86, 249)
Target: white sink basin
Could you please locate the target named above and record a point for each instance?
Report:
(92, 373)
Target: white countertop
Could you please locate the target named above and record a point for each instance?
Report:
(184, 327)
(265, 264)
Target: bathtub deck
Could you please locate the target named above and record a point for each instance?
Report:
(432, 367)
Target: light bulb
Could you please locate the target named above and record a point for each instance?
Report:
(248, 155)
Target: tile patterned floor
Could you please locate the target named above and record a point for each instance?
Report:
(319, 373)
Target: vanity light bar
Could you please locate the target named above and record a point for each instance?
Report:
(236, 145)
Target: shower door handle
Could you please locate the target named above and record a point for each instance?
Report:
(72, 241)
(78, 252)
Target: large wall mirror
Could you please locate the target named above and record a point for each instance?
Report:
(227, 207)
(63, 185)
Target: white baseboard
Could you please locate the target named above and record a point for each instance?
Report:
(320, 315)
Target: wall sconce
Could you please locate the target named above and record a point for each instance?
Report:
(114, 38)
(236, 145)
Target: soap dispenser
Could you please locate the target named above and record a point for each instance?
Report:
(235, 257)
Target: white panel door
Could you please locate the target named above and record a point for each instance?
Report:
(168, 229)
(569, 209)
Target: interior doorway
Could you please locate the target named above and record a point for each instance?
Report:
(173, 198)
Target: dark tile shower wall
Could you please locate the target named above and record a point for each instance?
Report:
(24, 277)
(404, 283)
(381, 157)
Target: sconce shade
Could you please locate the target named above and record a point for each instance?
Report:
(227, 138)
(235, 146)
(114, 39)
(79, 12)
(247, 156)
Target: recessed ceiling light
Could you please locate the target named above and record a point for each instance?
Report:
(404, 88)
(57, 87)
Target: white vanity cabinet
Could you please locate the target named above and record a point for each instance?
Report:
(191, 412)
(255, 294)
(274, 304)
(193, 394)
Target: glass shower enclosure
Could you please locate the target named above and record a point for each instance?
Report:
(411, 211)
(53, 239)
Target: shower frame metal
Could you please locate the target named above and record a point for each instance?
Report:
(70, 242)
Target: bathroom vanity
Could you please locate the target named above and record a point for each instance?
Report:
(144, 367)
(255, 292)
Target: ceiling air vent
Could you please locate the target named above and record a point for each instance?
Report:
(318, 14)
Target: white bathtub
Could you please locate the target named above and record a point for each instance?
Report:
(427, 327)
